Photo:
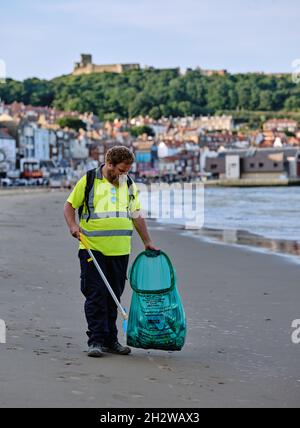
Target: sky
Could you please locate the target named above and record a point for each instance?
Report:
(44, 38)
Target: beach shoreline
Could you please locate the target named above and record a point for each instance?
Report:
(242, 239)
(239, 306)
(289, 249)
(250, 241)
(232, 237)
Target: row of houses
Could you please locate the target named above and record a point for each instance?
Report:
(34, 134)
(181, 148)
(281, 125)
(173, 159)
(205, 130)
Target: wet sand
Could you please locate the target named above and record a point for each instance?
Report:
(239, 305)
(251, 240)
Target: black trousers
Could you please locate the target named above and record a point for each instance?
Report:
(100, 309)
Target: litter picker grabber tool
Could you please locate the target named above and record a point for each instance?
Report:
(121, 309)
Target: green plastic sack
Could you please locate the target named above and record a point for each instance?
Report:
(156, 318)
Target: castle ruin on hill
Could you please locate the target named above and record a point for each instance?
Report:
(86, 66)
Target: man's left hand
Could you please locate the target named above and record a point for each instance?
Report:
(150, 246)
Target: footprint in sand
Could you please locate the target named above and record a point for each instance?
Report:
(185, 382)
(165, 367)
(6, 275)
(40, 352)
(72, 363)
(15, 348)
(136, 396)
(102, 379)
(150, 379)
(189, 399)
(121, 397)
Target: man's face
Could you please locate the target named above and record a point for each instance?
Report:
(116, 174)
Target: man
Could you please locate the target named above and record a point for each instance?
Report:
(107, 222)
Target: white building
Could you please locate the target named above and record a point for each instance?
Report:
(79, 149)
(7, 152)
(42, 144)
(159, 128)
(1, 107)
(232, 166)
(35, 141)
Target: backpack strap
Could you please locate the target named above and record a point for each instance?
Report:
(90, 178)
(130, 188)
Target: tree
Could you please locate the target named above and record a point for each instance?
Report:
(140, 105)
(37, 92)
(292, 103)
(140, 130)
(71, 122)
(266, 100)
(155, 113)
(157, 93)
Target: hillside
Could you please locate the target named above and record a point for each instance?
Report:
(159, 93)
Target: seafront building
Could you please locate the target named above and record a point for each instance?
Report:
(261, 164)
(7, 152)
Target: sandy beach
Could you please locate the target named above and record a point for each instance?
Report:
(239, 305)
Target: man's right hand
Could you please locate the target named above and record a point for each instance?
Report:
(75, 231)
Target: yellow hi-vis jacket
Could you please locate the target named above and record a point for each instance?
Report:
(110, 226)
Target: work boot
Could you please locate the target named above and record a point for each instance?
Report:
(117, 348)
(95, 351)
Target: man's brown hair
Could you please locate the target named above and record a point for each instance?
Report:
(119, 154)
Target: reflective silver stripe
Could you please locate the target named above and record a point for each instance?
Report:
(91, 200)
(96, 233)
(112, 214)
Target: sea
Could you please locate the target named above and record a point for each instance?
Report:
(268, 212)
(272, 212)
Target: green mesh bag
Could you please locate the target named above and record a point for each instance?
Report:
(156, 318)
